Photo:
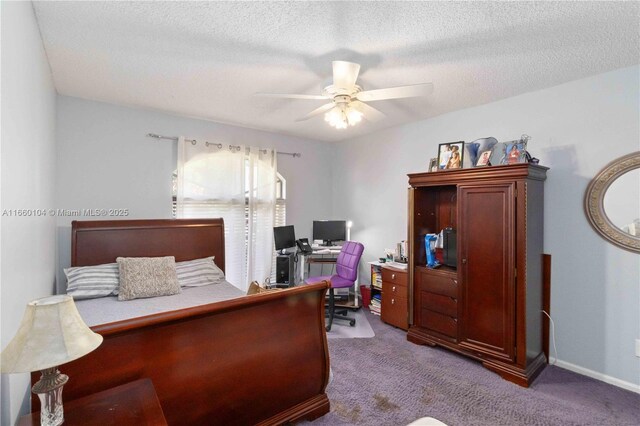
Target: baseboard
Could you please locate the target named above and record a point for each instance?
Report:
(595, 375)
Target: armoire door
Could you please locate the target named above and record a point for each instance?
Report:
(486, 263)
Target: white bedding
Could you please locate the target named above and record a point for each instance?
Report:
(105, 310)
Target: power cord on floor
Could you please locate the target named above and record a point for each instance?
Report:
(553, 336)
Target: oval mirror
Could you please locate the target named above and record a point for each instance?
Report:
(612, 202)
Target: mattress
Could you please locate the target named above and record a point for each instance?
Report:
(105, 310)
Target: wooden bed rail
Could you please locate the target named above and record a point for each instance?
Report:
(259, 359)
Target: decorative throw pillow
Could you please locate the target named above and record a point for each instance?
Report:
(87, 282)
(254, 288)
(198, 272)
(147, 277)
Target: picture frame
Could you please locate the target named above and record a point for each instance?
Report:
(433, 165)
(450, 155)
(484, 158)
(515, 152)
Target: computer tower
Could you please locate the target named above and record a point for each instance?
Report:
(285, 269)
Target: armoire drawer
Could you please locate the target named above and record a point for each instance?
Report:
(441, 323)
(445, 305)
(443, 284)
(394, 277)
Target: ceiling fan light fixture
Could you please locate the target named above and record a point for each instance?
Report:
(336, 118)
(333, 115)
(343, 116)
(353, 116)
(348, 103)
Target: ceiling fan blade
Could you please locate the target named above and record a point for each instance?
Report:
(369, 112)
(291, 96)
(411, 91)
(319, 110)
(345, 74)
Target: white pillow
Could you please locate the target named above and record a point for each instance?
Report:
(198, 272)
(87, 282)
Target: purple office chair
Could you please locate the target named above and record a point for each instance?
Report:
(345, 276)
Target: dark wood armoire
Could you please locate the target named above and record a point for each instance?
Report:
(487, 303)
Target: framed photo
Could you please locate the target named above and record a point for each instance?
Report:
(483, 159)
(515, 152)
(450, 155)
(433, 165)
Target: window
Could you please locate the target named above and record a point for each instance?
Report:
(280, 218)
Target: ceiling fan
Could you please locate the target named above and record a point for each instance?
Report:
(348, 100)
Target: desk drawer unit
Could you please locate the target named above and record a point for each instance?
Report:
(395, 305)
(394, 277)
(395, 290)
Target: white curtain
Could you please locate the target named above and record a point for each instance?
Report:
(237, 185)
(261, 213)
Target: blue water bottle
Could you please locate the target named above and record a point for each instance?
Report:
(429, 248)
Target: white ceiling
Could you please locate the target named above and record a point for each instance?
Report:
(207, 59)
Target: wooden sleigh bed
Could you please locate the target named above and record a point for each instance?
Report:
(259, 359)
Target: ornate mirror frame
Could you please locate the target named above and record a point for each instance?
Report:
(594, 202)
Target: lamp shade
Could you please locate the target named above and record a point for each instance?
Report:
(51, 333)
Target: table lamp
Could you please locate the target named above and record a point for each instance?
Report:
(51, 333)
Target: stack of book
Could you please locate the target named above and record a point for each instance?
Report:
(376, 278)
(376, 304)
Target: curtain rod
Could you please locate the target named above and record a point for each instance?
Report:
(219, 145)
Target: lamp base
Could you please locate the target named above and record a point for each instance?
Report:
(49, 390)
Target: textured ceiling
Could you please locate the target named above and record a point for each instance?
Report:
(207, 59)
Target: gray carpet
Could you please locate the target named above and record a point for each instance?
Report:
(386, 380)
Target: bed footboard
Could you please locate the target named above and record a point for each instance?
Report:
(259, 359)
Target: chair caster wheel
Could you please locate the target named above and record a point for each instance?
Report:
(352, 323)
(328, 328)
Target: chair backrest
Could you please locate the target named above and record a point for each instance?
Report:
(348, 260)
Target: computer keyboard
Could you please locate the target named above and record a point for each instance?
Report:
(326, 249)
(318, 247)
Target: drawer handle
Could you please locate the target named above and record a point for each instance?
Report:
(394, 288)
(454, 281)
(393, 276)
(452, 298)
(393, 301)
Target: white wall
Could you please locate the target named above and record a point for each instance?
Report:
(576, 129)
(28, 181)
(106, 161)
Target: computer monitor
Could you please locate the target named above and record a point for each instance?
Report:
(284, 237)
(329, 231)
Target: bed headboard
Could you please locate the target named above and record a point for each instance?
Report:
(97, 242)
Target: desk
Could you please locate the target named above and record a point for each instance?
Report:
(134, 403)
(327, 256)
(320, 255)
